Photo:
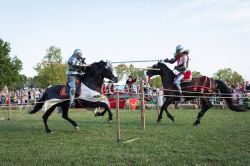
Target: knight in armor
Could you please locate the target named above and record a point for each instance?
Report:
(181, 57)
(76, 67)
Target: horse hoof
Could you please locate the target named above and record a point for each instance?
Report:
(50, 132)
(77, 128)
(30, 112)
(97, 114)
(173, 119)
(110, 120)
(158, 121)
(196, 124)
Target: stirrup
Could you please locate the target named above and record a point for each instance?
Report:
(181, 100)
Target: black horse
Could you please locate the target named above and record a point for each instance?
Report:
(202, 87)
(93, 79)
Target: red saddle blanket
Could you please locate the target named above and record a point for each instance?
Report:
(63, 91)
(187, 76)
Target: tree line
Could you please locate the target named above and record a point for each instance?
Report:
(52, 70)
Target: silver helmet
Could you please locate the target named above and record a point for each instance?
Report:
(78, 52)
(179, 48)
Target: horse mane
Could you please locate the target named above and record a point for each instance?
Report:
(97, 63)
(166, 68)
(93, 65)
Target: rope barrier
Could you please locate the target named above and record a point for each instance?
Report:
(133, 93)
(224, 94)
(187, 96)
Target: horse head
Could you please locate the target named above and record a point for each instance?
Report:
(165, 73)
(102, 70)
(161, 68)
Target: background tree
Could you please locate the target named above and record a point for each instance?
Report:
(20, 83)
(229, 75)
(136, 73)
(196, 74)
(122, 70)
(51, 70)
(9, 67)
(155, 82)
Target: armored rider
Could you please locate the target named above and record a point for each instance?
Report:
(76, 67)
(181, 56)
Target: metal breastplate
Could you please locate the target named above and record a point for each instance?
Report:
(72, 68)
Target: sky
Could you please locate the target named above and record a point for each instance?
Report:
(217, 32)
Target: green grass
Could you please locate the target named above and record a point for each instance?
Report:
(222, 139)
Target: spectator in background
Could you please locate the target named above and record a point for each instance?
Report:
(160, 94)
(130, 81)
(247, 86)
(109, 89)
(126, 88)
(103, 89)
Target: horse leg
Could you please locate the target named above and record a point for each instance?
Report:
(66, 117)
(164, 107)
(205, 105)
(160, 114)
(110, 115)
(38, 106)
(170, 116)
(45, 118)
(106, 108)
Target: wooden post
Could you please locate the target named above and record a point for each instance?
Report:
(157, 102)
(118, 132)
(9, 105)
(142, 106)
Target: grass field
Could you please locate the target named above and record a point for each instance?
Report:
(222, 139)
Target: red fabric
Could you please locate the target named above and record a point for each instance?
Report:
(109, 88)
(130, 81)
(112, 102)
(133, 103)
(187, 75)
(62, 92)
(180, 57)
(103, 89)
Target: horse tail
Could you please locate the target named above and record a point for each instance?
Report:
(226, 92)
(39, 104)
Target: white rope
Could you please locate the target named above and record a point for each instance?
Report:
(131, 140)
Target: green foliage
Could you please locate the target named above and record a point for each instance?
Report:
(51, 70)
(122, 70)
(136, 73)
(20, 83)
(9, 67)
(221, 139)
(196, 74)
(156, 82)
(228, 74)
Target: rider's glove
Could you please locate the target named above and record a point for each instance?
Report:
(166, 60)
(82, 60)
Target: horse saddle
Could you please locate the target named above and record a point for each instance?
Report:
(65, 90)
(202, 83)
(187, 77)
